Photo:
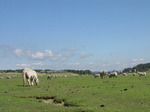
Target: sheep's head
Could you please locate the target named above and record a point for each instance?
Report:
(37, 81)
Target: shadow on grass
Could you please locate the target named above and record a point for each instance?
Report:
(24, 86)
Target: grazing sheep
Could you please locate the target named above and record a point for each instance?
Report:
(113, 74)
(30, 75)
(48, 77)
(124, 74)
(8, 77)
(96, 75)
(103, 73)
(142, 74)
(134, 74)
(1, 77)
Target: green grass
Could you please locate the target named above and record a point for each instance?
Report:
(76, 94)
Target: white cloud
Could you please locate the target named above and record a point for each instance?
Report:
(23, 65)
(21, 53)
(42, 55)
(31, 54)
(63, 55)
(137, 61)
(49, 58)
(48, 53)
(57, 57)
(37, 64)
(85, 55)
(38, 55)
(18, 52)
(77, 63)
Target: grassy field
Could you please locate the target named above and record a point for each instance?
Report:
(75, 94)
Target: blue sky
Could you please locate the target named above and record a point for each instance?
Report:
(74, 34)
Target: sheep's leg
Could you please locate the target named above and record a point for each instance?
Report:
(29, 82)
(36, 81)
(24, 79)
(24, 82)
(32, 82)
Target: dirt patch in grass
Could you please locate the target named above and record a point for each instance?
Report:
(48, 101)
(52, 100)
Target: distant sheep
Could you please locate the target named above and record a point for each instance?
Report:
(103, 73)
(1, 77)
(113, 74)
(134, 74)
(30, 75)
(96, 75)
(124, 74)
(8, 77)
(49, 77)
(142, 74)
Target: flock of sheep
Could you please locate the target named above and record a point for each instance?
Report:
(104, 73)
(30, 76)
(134, 74)
(115, 74)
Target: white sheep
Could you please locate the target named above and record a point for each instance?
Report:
(30, 75)
(96, 75)
(124, 74)
(113, 74)
(142, 74)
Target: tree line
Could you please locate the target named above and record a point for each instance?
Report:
(139, 67)
(80, 72)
